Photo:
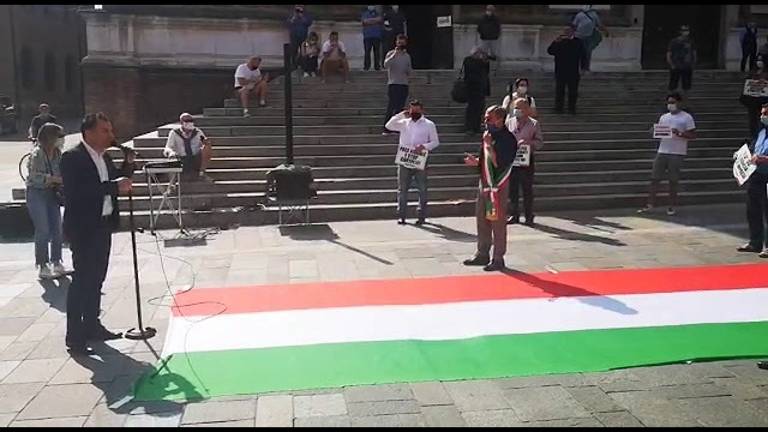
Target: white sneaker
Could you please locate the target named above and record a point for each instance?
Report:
(246, 113)
(306, 75)
(671, 211)
(59, 270)
(45, 272)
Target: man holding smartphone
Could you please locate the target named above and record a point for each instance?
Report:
(418, 134)
(398, 65)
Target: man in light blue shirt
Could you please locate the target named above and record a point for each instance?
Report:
(372, 30)
(757, 192)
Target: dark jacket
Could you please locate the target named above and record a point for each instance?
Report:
(569, 58)
(476, 76)
(394, 23)
(84, 192)
(489, 27)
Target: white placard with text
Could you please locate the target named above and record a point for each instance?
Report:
(410, 159)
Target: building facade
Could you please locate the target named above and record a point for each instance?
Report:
(40, 52)
(148, 63)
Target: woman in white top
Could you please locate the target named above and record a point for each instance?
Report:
(519, 90)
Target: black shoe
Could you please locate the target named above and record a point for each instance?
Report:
(102, 334)
(513, 220)
(763, 365)
(528, 221)
(420, 222)
(495, 265)
(401, 221)
(80, 349)
(477, 261)
(749, 248)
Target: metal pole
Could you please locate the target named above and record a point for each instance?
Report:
(140, 332)
(288, 70)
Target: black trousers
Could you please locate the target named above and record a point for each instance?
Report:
(90, 258)
(757, 209)
(573, 93)
(474, 111)
(749, 53)
(397, 94)
(675, 75)
(521, 177)
(375, 44)
(295, 45)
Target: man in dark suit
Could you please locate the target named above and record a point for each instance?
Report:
(569, 57)
(91, 186)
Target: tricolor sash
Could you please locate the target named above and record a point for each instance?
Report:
(492, 181)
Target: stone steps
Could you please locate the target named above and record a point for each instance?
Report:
(599, 158)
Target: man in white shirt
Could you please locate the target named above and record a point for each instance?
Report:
(420, 134)
(672, 151)
(189, 144)
(333, 57)
(250, 81)
(91, 186)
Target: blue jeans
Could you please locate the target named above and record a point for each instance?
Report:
(404, 178)
(46, 217)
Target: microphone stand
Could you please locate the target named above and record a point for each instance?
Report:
(140, 333)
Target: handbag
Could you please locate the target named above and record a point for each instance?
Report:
(459, 90)
(596, 37)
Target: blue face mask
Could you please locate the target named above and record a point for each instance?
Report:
(764, 120)
(491, 128)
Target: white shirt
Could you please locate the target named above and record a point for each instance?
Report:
(326, 51)
(413, 133)
(101, 167)
(681, 121)
(243, 71)
(175, 144)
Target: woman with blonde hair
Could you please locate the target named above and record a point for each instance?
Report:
(44, 198)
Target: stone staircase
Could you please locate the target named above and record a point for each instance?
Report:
(599, 158)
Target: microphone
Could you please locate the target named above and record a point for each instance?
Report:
(125, 148)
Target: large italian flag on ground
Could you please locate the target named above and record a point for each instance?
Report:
(241, 340)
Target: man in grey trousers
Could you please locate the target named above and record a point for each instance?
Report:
(398, 65)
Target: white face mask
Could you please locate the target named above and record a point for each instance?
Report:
(760, 64)
(586, 7)
(371, 8)
(522, 89)
(489, 13)
(672, 107)
(395, 8)
(60, 142)
(517, 112)
(188, 125)
(764, 120)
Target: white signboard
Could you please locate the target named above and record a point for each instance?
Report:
(742, 165)
(410, 159)
(444, 21)
(523, 156)
(662, 131)
(756, 88)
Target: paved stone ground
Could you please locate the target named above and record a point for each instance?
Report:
(40, 385)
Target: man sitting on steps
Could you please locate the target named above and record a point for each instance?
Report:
(189, 144)
(250, 81)
(334, 57)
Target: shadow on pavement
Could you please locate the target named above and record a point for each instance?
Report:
(323, 232)
(55, 293)
(449, 233)
(577, 236)
(558, 289)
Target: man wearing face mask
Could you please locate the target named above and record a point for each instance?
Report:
(42, 118)
(394, 24)
(497, 153)
(519, 89)
(398, 66)
(372, 32)
(420, 134)
(489, 30)
(672, 152)
(189, 144)
(754, 103)
(748, 41)
(757, 201)
(527, 131)
(681, 57)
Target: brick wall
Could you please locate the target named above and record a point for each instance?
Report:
(138, 100)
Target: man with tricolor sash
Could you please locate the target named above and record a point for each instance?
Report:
(497, 153)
